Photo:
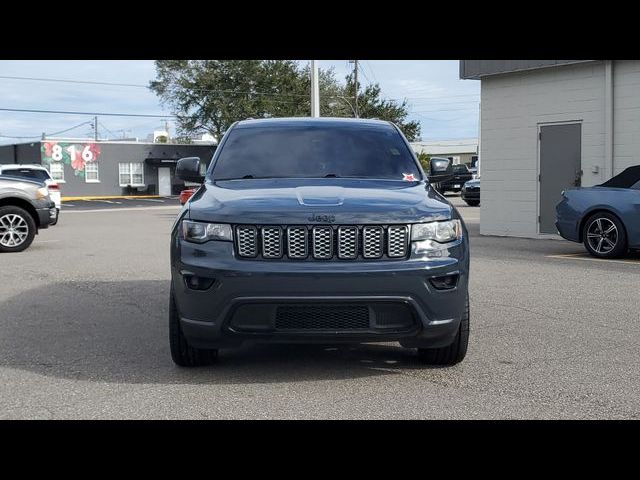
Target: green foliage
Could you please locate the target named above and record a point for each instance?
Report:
(210, 95)
(424, 159)
(371, 105)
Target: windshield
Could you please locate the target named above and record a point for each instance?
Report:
(315, 151)
(460, 169)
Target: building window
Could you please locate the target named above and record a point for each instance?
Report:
(56, 169)
(131, 174)
(91, 172)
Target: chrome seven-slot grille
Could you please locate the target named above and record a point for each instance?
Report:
(323, 242)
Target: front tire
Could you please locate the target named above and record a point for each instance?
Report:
(182, 353)
(17, 229)
(451, 354)
(604, 236)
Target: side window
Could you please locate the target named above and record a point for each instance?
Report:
(91, 172)
(131, 173)
(56, 169)
(137, 174)
(636, 186)
(124, 173)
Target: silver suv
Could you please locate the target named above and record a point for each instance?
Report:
(25, 207)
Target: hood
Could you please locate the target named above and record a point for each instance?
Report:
(305, 201)
(473, 183)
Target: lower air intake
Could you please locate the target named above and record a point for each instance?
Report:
(325, 317)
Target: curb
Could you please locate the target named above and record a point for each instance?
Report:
(107, 197)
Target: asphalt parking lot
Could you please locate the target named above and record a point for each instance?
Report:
(83, 334)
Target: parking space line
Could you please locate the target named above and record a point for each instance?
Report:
(583, 256)
(151, 200)
(125, 209)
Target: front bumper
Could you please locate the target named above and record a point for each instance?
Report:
(470, 194)
(251, 291)
(47, 215)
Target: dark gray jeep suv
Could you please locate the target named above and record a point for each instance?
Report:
(317, 230)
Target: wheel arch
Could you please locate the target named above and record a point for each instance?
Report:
(24, 204)
(591, 213)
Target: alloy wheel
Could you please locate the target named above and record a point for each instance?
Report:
(602, 235)
(13, 230)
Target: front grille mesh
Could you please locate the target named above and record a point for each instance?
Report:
(247, 241)
(347, 242)
(297, 242)
(397, 241)
(271, 242)
(372, 242)
(325, 317)
(323, 242)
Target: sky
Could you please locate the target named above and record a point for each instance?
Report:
(446, 106)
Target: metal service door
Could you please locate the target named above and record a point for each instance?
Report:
(560, 168)
(164, 181)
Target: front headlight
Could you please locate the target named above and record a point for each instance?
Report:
(441, 232)
(42, 192)
(200, 232)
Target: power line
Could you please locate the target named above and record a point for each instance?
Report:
(108, 131)
(47, 134)
(68, 129)
(371, 70)
(26, 110)
(137, 85)
(233, 92)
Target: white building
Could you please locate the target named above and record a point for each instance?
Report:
(547, 125)
(461, 150)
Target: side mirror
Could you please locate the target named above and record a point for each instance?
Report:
(191, 169)
(440, 169)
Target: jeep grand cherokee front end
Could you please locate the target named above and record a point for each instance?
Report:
(317, 230)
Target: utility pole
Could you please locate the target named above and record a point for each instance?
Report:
(315, 90)
(355, 70)
(95, 128)
(479, 135)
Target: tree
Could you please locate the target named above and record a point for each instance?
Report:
(371, 105)
(424, 159)
(210, 95)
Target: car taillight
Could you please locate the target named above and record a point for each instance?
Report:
(54, 186)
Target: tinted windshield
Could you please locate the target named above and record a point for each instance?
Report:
(460, 169)
(315, 151)
(39, 175)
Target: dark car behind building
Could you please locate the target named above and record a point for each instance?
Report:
(470, 192)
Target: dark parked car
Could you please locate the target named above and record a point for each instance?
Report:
(317, 230)
(606, 218)
(471, 192)
(461, 175)
(25, 207)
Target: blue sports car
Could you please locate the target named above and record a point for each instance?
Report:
(606, 218)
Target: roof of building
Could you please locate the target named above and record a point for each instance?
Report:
(476, 69)
(443, 147)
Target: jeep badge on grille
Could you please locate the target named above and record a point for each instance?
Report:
(322, 218)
